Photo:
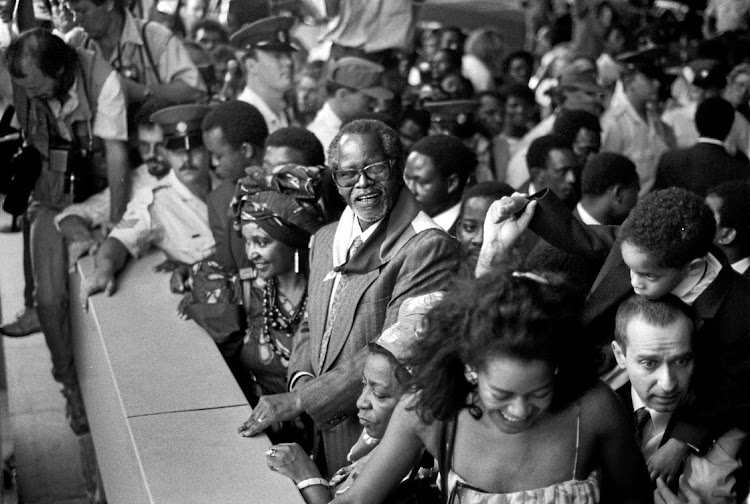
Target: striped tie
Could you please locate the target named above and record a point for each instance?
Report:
(338, 297)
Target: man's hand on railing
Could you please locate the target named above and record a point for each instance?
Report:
(270, 410)
(100, 280)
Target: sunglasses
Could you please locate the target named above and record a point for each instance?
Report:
(377, 172)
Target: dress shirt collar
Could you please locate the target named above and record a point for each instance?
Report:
(586, 217)
(711, 141)
(693, 286)
(659, 420)
(741, 265)
(447, 218)
(347, 231)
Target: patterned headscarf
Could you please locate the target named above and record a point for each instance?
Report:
(284, 202)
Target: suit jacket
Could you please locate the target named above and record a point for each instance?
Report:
(721, 380)
(416, 259)
(700, 168)
(230, 246)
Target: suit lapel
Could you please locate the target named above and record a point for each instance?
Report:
(320, 287)
(356, 287)
(611, 285)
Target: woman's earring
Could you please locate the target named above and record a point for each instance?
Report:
(470, 374)
(296, 261)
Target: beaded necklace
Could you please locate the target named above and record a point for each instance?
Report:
(274, 318)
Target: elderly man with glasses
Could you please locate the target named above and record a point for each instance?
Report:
(382, 251)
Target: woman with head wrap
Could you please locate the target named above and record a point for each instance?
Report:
(276, 213)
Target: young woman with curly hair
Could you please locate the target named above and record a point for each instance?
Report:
(503, 364)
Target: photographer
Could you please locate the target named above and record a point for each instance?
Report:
(72, 113)
(152, 60)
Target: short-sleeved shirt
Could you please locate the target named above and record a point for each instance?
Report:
(169, 216)
(110, 121)
(625, 132)
(167, 51)
(273, 121)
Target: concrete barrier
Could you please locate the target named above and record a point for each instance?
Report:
(162, 405)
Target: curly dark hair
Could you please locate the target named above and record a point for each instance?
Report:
(673, 225)
(506, 314)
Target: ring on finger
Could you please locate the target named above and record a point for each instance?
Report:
(271, 452)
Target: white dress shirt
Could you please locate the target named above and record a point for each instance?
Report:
(273, 121)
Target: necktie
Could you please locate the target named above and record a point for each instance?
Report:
(338, 297)
(641, 417)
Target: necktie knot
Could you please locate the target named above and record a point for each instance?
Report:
(641, 417)
(356, 244)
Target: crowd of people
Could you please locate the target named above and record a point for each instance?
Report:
(435, 266)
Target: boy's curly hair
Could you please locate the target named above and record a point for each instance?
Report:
(673, 225)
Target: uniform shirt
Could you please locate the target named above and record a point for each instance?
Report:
(172, 60)
(95, 210)
(169, 216)
(625, 132)
(273, 121)
(374, 25)
(325, 126)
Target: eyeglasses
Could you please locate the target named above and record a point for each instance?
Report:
(377, 172)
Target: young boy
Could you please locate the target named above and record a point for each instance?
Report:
(665, 246)
(654, 346)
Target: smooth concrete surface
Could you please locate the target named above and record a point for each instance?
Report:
(47, 452)
(163, 407)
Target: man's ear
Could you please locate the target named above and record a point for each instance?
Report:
(248, 151)
(619, 354)
(725, 235)
(453, 183)
(341, 94)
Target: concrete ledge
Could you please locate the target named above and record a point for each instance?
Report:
(162, 405)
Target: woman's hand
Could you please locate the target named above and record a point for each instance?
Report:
(270, 410)
(291, 460)
(503, 226)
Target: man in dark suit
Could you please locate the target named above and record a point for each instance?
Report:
(436, 172)
(664, 246)
(382, 251)
(730, 203)
(654, 345)
(707, 163)
(234, 133)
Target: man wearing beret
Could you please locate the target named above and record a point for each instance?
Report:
(269, 70)
(173, 214)
(383, 251)
(353, 86)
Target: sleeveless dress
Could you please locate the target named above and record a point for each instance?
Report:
(572, 491)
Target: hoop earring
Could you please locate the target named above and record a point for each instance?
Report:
(296, 260)
(470, 374)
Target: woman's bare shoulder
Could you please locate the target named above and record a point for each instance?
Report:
(602, 408)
